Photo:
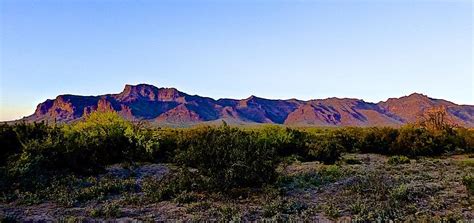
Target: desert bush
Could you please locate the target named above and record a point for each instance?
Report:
(84, 147)
(418, 141)
(171, 186)
(165, 144)
(104, 136)
(186, 197)
(331, 211)
(227, 156)
(70, 190)
(15, 139)
(468, 181)
(294, 144)
(324, 149)
(313, 179)
(9, 143)
(107, 210)
(395, 160)
(414, 141)
(39, 161)
(37, 130)
(378, 140)
(100, 189)
(227, 212)
(286, 141)
(158, 190)
(399, 193)
(349, 139)
(283, 206)
(465, 139)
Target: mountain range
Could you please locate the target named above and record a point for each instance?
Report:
(169, 106)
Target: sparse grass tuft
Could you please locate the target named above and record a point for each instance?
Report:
(107, 211)
(323, 176)
(396, 160)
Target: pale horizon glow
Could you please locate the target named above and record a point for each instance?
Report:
(276, 49)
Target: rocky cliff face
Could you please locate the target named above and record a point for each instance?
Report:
(168, 105)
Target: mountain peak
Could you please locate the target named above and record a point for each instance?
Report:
(417, 95)
(252, 97)
(136, 92)
(413, 97)
(139, 87)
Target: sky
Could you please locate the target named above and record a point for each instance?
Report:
(305, 49)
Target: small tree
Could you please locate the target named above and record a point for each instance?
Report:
(435, 119)
(104, 138)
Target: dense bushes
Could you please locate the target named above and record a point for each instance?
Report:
(378, 140)
(9, 143)
(37, 152)
(228, 157)
(412, 141)
(106, 138)
(324, 149)
(225, 157)
(285, 141)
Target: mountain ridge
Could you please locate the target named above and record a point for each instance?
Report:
(144, 102)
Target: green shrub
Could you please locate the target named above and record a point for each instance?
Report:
(103, 137)
(418, 141)
(164, 144)
(323, 176)
(332, 211)
(395, 160)
(107, 210)
(400, 193)
(101, 188)
(84, 147)
(465, 139)
(9, 143)
(415, 141)
(227, 157)
(186, 197)
(32, 168)
(283, 206)
(358, 207)
(468, 181)
(325, 150)
(286, 141)
(378, 140)
(349, 139)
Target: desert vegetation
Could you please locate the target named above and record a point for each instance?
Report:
(104, 167)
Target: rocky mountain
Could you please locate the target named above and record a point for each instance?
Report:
(170, 106)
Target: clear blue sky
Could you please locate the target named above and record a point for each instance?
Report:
(223, 48)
